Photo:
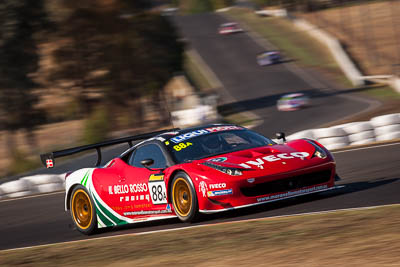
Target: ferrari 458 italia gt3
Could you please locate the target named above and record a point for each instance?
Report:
(184, 173)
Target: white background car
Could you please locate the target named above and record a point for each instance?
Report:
(292, 102)
(268, 58)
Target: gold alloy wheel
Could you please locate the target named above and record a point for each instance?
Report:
(82, 209)
(182, 197)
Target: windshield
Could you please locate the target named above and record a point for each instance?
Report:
(202, 144)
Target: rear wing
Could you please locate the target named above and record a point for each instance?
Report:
(48, 158)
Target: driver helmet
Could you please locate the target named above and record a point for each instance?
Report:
(212, 143)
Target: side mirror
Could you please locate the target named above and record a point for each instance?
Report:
(280, 135)
(147, 162)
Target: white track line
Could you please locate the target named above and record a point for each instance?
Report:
(207, 225)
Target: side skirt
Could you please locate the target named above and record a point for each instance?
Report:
(269, 201)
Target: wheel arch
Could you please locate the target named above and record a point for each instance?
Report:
(74, 179)
(68, 196)
(169, 185)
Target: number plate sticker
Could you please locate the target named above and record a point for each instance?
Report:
(181, 146)
(157, 188)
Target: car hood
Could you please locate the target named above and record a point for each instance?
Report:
(270, 159)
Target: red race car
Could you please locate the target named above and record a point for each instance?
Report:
(187, 172)
(229, 28)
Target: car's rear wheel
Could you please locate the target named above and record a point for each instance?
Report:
(184, 198)
(83, 212)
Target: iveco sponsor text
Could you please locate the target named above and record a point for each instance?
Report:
(259, 162)
(217, 186)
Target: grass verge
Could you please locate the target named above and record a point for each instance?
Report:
(342, 238)
(383, 92)
(195, 74)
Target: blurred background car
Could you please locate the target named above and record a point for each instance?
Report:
(169, 11)
(268, 58)
(291, 102)
(228, 28)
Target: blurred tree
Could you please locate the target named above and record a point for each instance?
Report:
(21, 23)
(199, 6)
(147, 54)
(117, 48)
(80, 43)
(300, 5)
(196, 6)
(217, 4)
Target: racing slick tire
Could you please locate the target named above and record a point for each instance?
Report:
(329, 133)
(358, 127)
(302, 134)
(334, 140)
(361, 136)
(389, 136)
(387, 129)
(184, 198)
(385, 120)
(363, 142)
(83, 211)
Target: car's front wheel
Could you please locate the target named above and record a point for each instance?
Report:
(184, 198)
(83, 212)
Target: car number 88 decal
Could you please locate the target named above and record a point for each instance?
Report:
(181, 146)
(157, 189)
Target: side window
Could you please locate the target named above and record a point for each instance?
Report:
(151, 151)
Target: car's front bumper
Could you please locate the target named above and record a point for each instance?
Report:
(250, 192)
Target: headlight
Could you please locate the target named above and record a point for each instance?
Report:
(227, 170)
(319, 152)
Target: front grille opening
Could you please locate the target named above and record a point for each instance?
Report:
(287, 184)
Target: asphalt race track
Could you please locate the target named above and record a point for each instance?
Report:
(249, 87)
(371, 176)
